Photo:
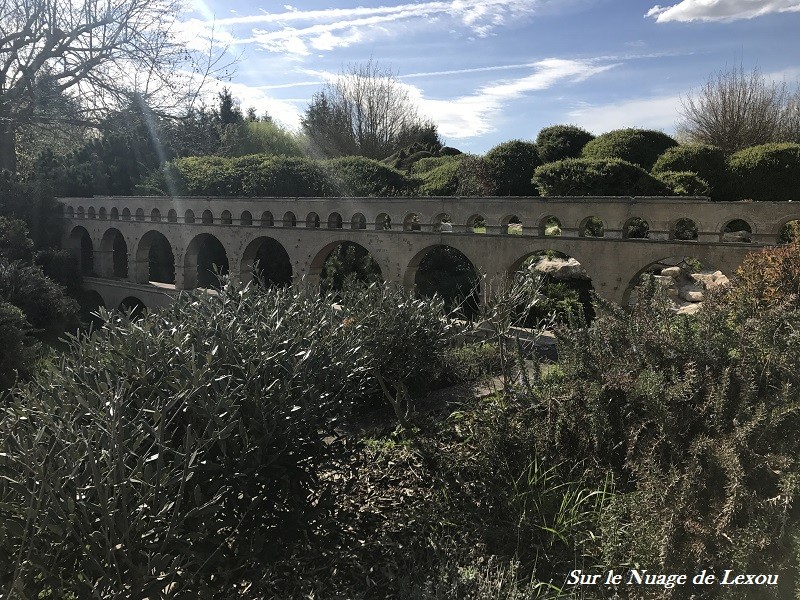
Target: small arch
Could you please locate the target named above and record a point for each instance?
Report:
(267, 220)
(289, 219)
(635, 228)
(335, 221)
(737, 230)
(684, 229)
(102, 215)
(383, 222)
(80, 212)
(188, 216)
(90, 213)
(204, 260)
(140, 214)
(511, 225)
(172, 216)
(133, 306)
(208, 217)
(226, 218)
(246, 218)
(126, 214)
(69, 212)
(442, 223)
(80, 243)
(268, 261)
(477, 224)
(411, 222)
(156, 252)
(359, 221)
(155, 216)
(592, 227)
(113, 245)
(550, 225)
(312, 220)
(115, 214)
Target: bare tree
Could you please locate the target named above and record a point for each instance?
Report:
(735, 109)
(70, 62)
(366, 111)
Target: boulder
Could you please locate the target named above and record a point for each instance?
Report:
(710, 278)
(561, 268)
(671, 272)
(691, 293)
(687, 308)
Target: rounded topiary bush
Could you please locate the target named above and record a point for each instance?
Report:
(282, 176)
(685, 183)
(360, 176)
(596, 177)
(708, 162)
(561, 141)
(638, 146)
(200, 176)
(441, 179)
(511, 165)
(767, 172)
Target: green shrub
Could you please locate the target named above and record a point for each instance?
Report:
(641, 147)
(17, 352)
(708, 162)
(61, 266)
(201, 176)
(438, 179)
(14, 241)
(475, 177)
(596, 177)
(429, 164)
(258, 137)
(359, 176)
(561, 141)
(684, 183)
(511, 165)
(767, 172)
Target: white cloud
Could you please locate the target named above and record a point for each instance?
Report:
(720, 10)
(659, 112)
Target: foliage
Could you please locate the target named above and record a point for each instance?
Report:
(61, 266)
(769, 172)
(258, 137)
(511, 165)
(474, 177)
(561, 141)
(685, 183)
(708, 162)
(693, 417)
(14, 241)
(641, 147)
(358, 176)
(768, 279)
(32, 203)
(446, 272)
(17, 347)
(439, 176)
(347, 264)
(596, 177)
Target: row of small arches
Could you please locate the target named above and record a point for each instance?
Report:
(682, 229)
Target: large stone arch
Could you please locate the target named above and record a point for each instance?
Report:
(412, 271)
(266, 258)
(316, 267)
(204, 254)
(155, 259)
(112, 259)
(79, 242)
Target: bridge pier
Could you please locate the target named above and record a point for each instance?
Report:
(104, 263)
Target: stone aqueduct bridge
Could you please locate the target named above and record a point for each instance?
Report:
(117, 235)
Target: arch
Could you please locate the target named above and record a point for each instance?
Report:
(592, 227)
(383, 222)
(477, 224)
(154, 256)
(246, 218)
(335, 221)
(737, 230)
(267, 220)
(80, 212)
(205, 259)
(80, 244)
(289, 219)
(312, 220)
(101, 214)
(636, 228)
(342, 260)
(446, 271)
(115, 253)
(90, 213)
(115, 214)
(172, 216)
(188, 216)
(268, 261)
(511, 225)
(683, 229)
(226, 218)
(207, 217)
(359, 221)
(140, 214)
(126, 214)
(133, 306)
(155, 215)
(442, 223)
(69, 212)
(684, 277)
(411, 222)
(549, 225)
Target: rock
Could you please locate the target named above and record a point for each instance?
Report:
(687, 308)
(671, 272)
(561, 268)
(663, 280)
(691, 293)
(710, 278)
(737, 236)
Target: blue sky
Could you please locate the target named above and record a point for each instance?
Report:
(488, 71)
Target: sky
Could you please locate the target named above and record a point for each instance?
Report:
(489, 71)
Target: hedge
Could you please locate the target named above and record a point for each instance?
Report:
(561, 141)
(360, 176)
(641, 147)
(596, 177)
(511, 165)
(685, 183)
(708, 162)
(766, 172)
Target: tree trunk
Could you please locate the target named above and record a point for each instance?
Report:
(8, 151)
